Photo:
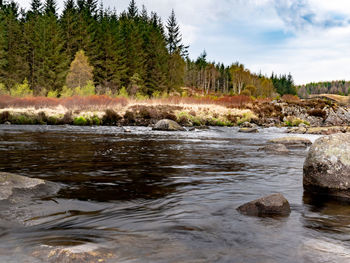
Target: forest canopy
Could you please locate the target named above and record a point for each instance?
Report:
(134, 52)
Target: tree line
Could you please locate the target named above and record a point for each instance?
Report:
(339, 87)
(133, 52)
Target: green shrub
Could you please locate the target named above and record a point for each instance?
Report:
(156, 94)
(87, 90)
(66, 92)
(22, 119)
(140, 96)
(95, 121)
(123, 93)
(52, 120)
(52, 94)
(21, 90)
(3, 90)
(80, 121)
(246, 117)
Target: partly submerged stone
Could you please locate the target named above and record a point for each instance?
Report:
(168, 125)
(10, 182)
(272, 205)
(290, 141)
(327, 166)
(276, 148)
(248, 130)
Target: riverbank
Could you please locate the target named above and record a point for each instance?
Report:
(187, 112)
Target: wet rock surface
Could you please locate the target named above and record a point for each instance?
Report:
(167, 125)
(272, 205)
(9, 183)
(292, 141)
(327, 166)
(276, 148)
(248, 130)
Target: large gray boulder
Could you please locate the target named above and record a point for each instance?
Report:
(327, 166)
(272, 205)
(167, 125)
(9, 183)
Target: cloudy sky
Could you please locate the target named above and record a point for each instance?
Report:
(308, 38)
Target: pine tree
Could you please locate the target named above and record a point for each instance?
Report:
(36, 7)
(174, 38)
(80, 71)
(132, 9)
(156, 57)
(69, 25)
(47, 59)
(133, 42)
(111, 69)
(50, 7)
(15, 67)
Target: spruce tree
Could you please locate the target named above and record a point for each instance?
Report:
(111, 69)
(132, 9)
(15, 67)
(36, 6)
(50, 7)
(133, 42)
(156, 57)
(174, 37)
(69, 25)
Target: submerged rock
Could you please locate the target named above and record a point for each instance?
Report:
(248, 130)
(10, 182)
(87, 253)
(290, 141)
(168, 125)
(248, 125)
(276, 148)
(272, 205)
(327, 166)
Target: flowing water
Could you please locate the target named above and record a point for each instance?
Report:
(150, 196)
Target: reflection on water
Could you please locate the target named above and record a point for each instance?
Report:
(162, 197)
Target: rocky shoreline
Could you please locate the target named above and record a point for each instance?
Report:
(303, 117)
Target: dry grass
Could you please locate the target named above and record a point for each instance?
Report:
(333, 97)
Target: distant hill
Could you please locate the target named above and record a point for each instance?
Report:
(339, 87)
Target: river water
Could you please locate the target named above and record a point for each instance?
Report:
(150, 196)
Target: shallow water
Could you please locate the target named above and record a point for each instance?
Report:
(150, 196)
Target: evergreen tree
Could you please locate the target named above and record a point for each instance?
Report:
(50, 7)
(15, 67)
(132, 9)
(69, 25)
(133, 43)
(111, 62)
(174, 38)
(156, 57)
(36, 6)
(47, 59)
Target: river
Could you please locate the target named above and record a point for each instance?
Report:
(150, 196)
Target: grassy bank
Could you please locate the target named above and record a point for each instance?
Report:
(103, 110)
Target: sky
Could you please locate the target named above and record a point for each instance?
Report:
(308, 38)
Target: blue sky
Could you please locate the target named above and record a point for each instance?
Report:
(308, 38)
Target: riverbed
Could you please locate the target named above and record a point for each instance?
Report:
(151, 196)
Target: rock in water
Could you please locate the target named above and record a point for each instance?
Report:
(10, 182)
(248, 130)
(272, 205)
(290, 141)
(276, 148)
(327, 166)
(167, 125)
